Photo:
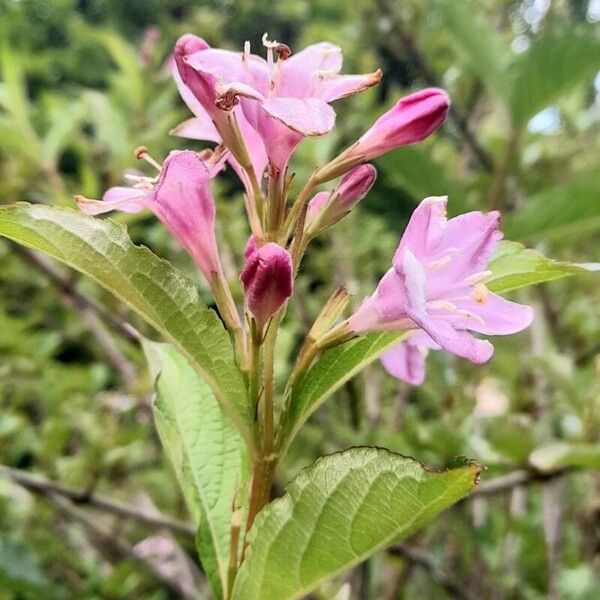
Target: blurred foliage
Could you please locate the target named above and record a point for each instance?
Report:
(84, 82)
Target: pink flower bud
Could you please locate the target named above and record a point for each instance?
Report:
(267, 280)
(355, 185)
(325, 209)
(410, 120)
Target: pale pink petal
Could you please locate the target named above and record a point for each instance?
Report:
(197, 129)
(308, 116)
(413, 275)
(494, 315)
(228, 67)
(124, 199)
(323, 56)
(457, 342)
(469, 240)
(406, 362)
(340, 86)
(425, 229)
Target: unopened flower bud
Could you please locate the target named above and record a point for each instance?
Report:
(409, 121)
(324, 210)
(267, 280)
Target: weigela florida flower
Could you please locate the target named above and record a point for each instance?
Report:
(435, 286)
(284, 99)
(180, 197)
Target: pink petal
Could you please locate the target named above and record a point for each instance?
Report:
(308, 116)
(500, 316)
(457, 342)
(124, 199)
(334, 88)
(197, 129)
(228, 67)
(406, 362)
(323, 56)
(424, 231)
(183, 202)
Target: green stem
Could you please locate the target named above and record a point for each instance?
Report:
(296, 208)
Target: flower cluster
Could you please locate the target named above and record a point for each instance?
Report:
(257, 111)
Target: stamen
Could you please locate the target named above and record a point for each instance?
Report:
(227, 100)
(246, 48)
(442, 305)
(267, 43)
(471, 315)
(477, 277)
(480, 293)
(436, 265)
(142, 153)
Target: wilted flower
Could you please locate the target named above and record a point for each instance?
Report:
(327, 208)
(267, 279)
(180, 197)
(435, 285)
(284, 99)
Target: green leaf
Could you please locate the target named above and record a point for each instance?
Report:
(514, 266)
(20, 570)
(556, 61)
(559, 211)
(562, 454)
(152, 287)
(338, 512)
(205, 450)
(478, 46)
(334, 368)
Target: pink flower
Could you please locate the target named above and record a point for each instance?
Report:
(267, 280)
(180, 197)
(202, 92)
(435, 285)
(406, 361)
(284, 100)
(326, 209)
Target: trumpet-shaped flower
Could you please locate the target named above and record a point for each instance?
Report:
(284, 99)
(436, 285)
(267, 279)
(180, 197)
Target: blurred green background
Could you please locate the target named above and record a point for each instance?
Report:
(83, 83)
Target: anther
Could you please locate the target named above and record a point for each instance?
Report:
(436, 265)
(227, 100)
(141, 152)
(480, 293)
(283, 51)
